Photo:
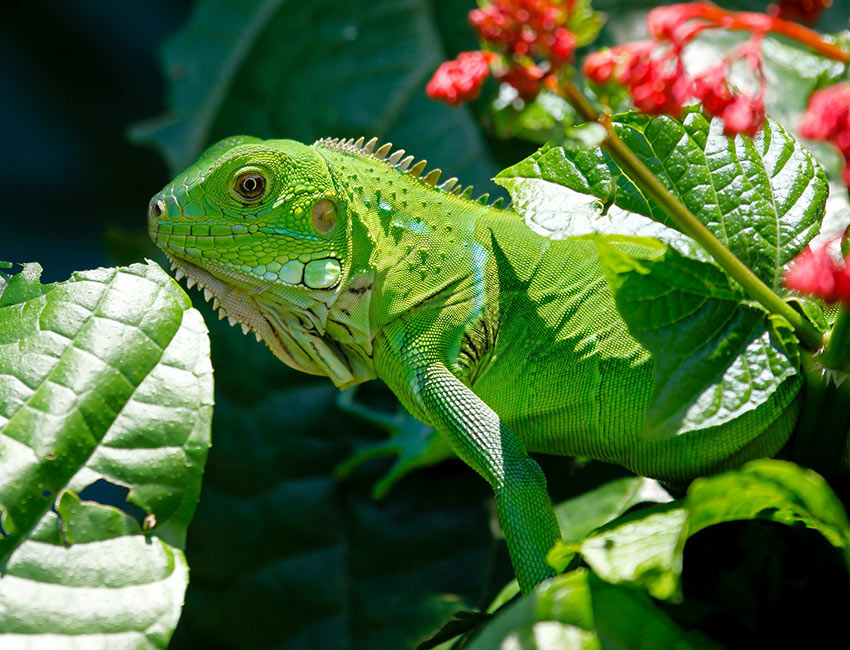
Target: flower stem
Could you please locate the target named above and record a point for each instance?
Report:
(836, 356)
(756, 22)
(686, 222)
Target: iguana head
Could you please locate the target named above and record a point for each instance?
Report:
(259, 226)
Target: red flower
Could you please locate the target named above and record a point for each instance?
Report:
(655, 76)
(534, 28)
(657, 82)
(712, 90)
(828, 114)
(807, 11)
(525, 79)
(460, 80)
(815, 272)
(659, 85)
(562, 46)
(827, 117)
(527, 32)
(599, 66)
(744, 114)
(665, 23)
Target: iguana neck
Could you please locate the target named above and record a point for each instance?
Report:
(417, 242)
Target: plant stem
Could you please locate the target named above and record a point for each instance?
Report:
(685, 221)
(756, 22)
(836, 356)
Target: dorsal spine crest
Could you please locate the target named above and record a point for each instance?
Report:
(404, 164)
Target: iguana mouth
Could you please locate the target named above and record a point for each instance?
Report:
(229, 301)
(293, 331)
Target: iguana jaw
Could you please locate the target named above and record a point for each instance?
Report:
(231, 302)
(291, 324)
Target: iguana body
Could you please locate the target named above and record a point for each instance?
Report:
(504, 341)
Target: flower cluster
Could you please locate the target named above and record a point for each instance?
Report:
(656, 78)
(534, 28)
(818, 273)
(656, 82)
(806, 11)
(828, 118)
(528, 39)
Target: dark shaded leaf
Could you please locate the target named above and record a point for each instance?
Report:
(276, 69)
(717, 356)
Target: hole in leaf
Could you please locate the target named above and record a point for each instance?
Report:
(46, 494)
(766, 513)
(110, 494)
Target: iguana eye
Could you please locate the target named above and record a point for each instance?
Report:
(250, 185)
(324, 216)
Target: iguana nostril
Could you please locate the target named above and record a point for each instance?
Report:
(157, 208)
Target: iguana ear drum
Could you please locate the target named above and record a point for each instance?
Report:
(324, 216)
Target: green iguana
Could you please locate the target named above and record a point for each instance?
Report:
(349, 261)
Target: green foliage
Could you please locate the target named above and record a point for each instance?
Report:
(643, 550)
(107, 381)
(578, 610)
(763, 198)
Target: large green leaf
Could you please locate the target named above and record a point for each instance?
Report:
(104, 379)
(308, 70)
(579, 516)
(763, 197)
(576, 610)
(773, 490)
(645, 548)
(717, 356)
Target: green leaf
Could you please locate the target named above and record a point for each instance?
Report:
(582, 514)
(110, 591)
(309, 70)
(579, 516)
(645, 548)
(763, 198)
(23, 286)
(774, 490)
(716, 356)
(544, 118)
(584, 23)
(103, 378)
(577, 610)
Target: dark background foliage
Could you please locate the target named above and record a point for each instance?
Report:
(281, 553)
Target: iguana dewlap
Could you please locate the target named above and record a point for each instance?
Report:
(349, 261)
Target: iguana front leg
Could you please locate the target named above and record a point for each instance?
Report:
(412, 366)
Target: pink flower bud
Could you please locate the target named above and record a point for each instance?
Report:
(460, 80)
(816, 273)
